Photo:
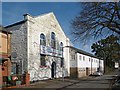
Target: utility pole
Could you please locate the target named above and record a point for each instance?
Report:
(91, 65)
(63, 73)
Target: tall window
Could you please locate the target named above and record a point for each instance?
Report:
(83, 58)
(42, 60)
(89, 59)
(42, 39)
(61, 46)
(53, 41)
(80, 57)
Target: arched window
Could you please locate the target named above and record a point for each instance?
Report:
(53, 41)
(42, 39)
(61, 46)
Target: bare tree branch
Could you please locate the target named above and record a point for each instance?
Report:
(95, 17)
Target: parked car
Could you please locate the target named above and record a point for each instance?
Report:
(97, 73)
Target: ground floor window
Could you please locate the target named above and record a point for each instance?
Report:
(15, 68)
(42, 60)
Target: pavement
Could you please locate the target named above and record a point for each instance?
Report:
(64, 83)
(85, 82)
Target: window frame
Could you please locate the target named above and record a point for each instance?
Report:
(53, 40)
(42, 63)
(42, 39)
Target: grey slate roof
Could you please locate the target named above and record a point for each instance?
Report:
(82, 52)
(17, 23)
(3, 30)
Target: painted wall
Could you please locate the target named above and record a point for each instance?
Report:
(44, 24)
(3, 46)
(83, 65)
(5, 53)
(26, 43)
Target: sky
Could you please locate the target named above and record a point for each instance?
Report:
(65, 12)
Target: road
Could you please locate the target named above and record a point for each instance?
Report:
(100, 82)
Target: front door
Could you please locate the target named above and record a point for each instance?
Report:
(53, 70)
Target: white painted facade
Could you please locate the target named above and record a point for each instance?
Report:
(26, 43)
(89, 62)
(45, 24)
(83, 63)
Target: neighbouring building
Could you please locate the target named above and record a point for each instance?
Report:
(5, 55)
(83, 63)
(38, 47)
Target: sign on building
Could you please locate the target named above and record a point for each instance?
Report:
(50, 51)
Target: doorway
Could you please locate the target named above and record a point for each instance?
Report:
(87, 71)
(53, 70)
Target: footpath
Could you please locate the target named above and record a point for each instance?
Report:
(62, 83)
(57, 83)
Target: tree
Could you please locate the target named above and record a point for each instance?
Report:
(96, 19)
(1, 27)
(108, 49)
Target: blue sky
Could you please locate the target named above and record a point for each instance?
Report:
(13, 12)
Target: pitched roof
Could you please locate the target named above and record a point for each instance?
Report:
(2, 29)
(82, 52)
(23, 21)
(17, 23)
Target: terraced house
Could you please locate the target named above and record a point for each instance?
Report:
(39, 46)
(5, 55)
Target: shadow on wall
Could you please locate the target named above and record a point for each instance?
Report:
(49, 71)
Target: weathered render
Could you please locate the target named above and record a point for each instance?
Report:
(26, 43)
(43, 24)
(41, 48)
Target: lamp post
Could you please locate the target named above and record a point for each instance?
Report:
(62, 67)
(91, 65)
(63, 64)
(63, 73)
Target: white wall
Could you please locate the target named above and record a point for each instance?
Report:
(44, 24)
(86, 63)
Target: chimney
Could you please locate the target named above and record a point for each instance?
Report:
(26, 16)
